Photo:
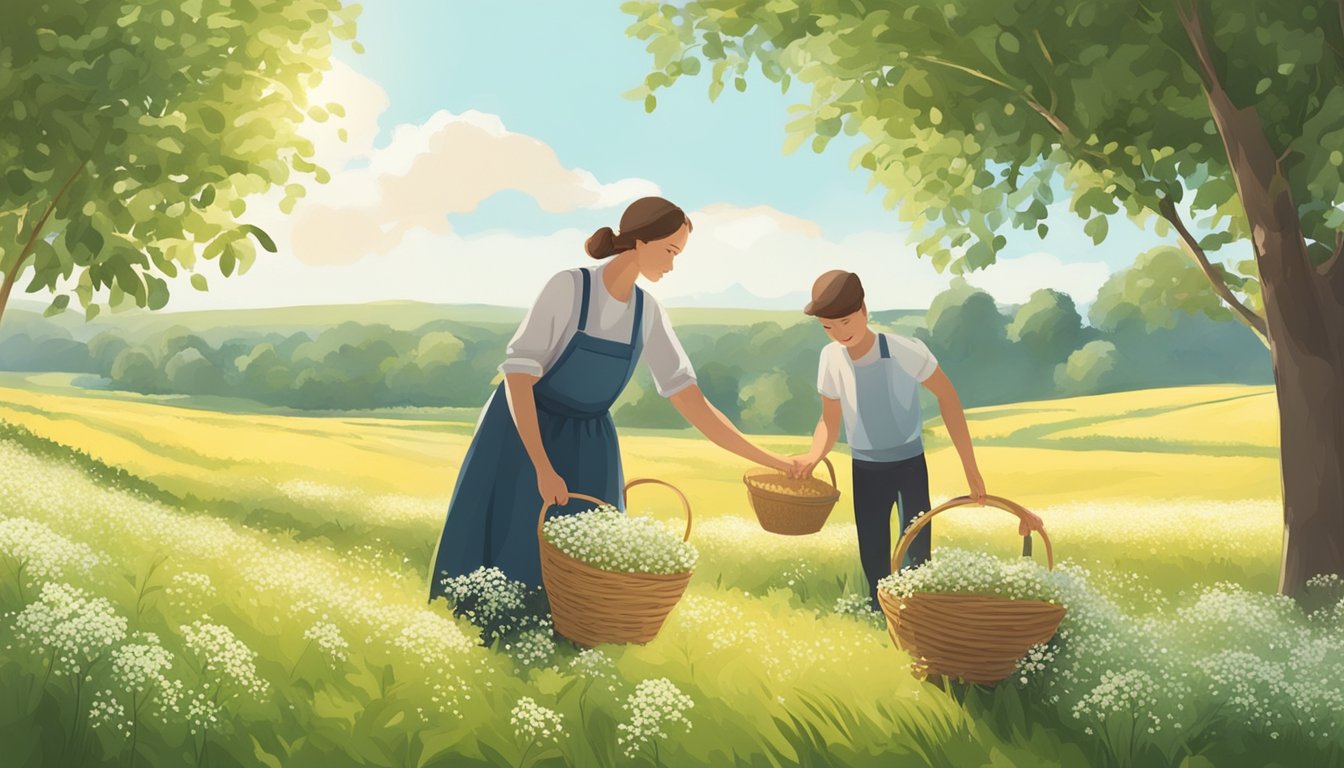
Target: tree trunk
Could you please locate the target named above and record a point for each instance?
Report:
(1310, 378)
(1305, 317)
(6, 287)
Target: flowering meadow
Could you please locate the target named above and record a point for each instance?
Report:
(140, 626)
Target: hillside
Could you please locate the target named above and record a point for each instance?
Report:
(398, 315)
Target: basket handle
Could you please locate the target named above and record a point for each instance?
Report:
(546, 505)
(994, 501)
(831, 468)
(685, 504)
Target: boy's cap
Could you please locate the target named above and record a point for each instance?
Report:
(835, 294)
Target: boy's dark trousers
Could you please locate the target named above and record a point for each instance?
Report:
(877, 486)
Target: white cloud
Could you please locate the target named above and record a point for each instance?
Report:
(768, 252)
(448, 165)
(378, 230)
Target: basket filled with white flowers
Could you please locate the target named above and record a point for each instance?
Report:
(967, 620)
(612, 577)
(791, 506)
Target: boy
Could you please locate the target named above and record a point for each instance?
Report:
(870, 380)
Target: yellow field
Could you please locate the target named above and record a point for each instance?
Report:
(209, 453)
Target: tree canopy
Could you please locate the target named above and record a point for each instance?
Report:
(131, 136)
(972, 112)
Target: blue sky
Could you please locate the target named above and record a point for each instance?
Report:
(557, 73)
(472, 117)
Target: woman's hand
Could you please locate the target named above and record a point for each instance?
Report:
(977, 484)
(781, 463)
(552, 487)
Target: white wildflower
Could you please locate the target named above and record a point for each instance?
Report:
(69, 626)
(653, 706)
(533, 722)
(608, 539)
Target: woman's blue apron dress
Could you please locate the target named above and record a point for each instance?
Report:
(492, 518)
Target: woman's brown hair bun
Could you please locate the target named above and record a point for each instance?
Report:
(601, 243)
(648, 218)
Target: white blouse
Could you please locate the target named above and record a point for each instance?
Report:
(554, 319)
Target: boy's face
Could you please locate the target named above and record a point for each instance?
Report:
(848, 330)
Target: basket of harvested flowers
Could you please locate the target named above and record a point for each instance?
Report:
(962, 624)
(791, 506)
(612, 577)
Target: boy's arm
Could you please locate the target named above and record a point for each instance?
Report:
(954, 418)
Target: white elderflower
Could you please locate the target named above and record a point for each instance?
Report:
(70, 627)
(226, 659)
(653, 706)
(534, 723)
(497, 605)
(35, 550)
(533, 647)
(189, 589)
(608, 539)
(593, 664)
(327, 637)
(141, 668)
(202, 713)
(107, 712)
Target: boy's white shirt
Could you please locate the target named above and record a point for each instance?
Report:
(836, 380)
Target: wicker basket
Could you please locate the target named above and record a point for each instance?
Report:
(801, 510)
(974, 638)
(592, 606)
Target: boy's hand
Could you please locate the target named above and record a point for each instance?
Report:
(803, 466)
(1032, 522)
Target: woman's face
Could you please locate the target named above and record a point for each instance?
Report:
(655, 256)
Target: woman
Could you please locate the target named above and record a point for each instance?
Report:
(547, 429)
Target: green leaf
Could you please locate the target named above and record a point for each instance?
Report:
(158, 292)
(91, 311)
(227, 260)
(199, 283)
(212, 119)
(650, 102)
(1096, 229)
(58, 305)
(690, 66)
(261, 237)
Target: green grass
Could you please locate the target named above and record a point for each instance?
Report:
(271, 525)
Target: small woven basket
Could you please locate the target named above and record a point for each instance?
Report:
(793, 507)
(592, 606)
(974, 638)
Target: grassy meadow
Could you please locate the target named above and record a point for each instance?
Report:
(185, 586)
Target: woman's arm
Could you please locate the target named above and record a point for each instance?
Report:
(690, 402)
(536, 342)
(523, 406)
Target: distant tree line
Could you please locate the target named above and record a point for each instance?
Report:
(1140, 334)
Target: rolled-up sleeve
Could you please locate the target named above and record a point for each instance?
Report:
(828, 376)
(667, 360)
(539, 338)
(919, 360)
